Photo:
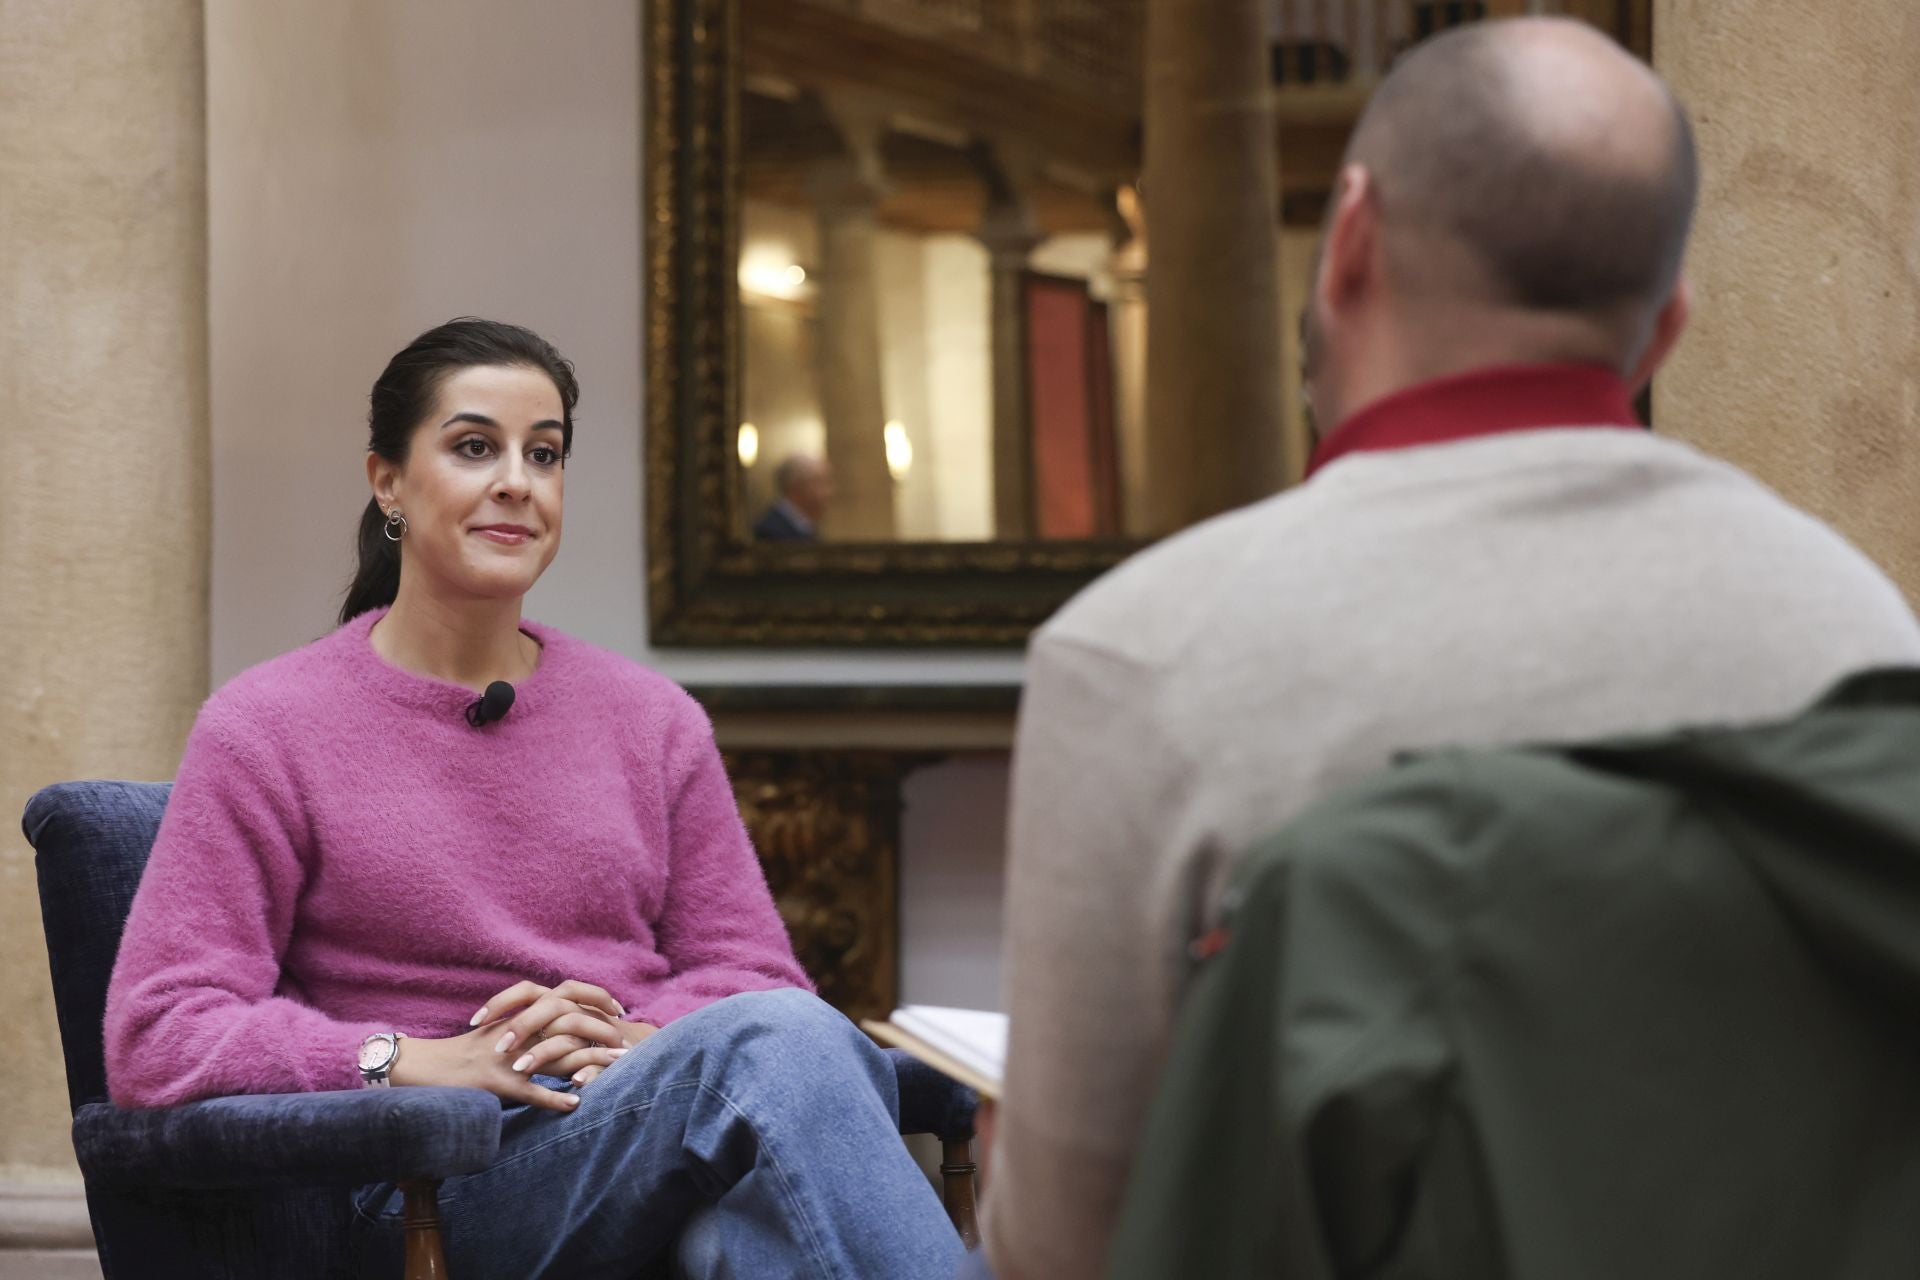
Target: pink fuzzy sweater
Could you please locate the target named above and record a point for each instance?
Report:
(344, 854)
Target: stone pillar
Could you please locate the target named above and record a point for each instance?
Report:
(1803, 361)
(846, 192)
(104, 520)
(1010, 233)
(1213, 386)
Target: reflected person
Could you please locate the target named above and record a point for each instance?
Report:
(805, 484)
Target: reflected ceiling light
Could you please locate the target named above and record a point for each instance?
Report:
(899, 450)
(773, 276)
(750, 444)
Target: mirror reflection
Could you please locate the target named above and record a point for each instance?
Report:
(944, 261)
(942, 331)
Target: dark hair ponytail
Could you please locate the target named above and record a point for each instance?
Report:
(377, 579)
(402, 398)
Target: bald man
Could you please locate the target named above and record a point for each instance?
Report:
(1490, 550)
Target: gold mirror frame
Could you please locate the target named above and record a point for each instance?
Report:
(707, 586)
(704, 585)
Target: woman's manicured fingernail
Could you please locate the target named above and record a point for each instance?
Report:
(506, 1043)
(570, 1100)
(478, 1018)
(525, 1061)
(614, 1053)
(622, 1008)
(578, 1076)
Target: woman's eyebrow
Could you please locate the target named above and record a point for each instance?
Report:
(481, 419)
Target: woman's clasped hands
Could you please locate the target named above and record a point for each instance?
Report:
(575, 1030)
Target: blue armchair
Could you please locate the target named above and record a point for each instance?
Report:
(258, 1185)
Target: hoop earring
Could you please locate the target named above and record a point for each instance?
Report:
(396, 527)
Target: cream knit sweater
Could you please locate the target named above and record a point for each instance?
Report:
(1553, 584)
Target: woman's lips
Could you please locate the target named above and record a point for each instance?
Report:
(505, 537)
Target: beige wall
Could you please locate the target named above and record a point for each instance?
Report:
(103, 497)
(376, 169)
(1803, 363)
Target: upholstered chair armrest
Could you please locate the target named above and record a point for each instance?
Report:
(291, 1139)
(932, 1102)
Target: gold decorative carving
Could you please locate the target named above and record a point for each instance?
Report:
(827, 828)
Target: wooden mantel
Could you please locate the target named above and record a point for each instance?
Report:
(915, 718)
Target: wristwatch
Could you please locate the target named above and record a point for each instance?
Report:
(378, 1053)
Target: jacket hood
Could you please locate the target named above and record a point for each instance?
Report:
(1825, 811)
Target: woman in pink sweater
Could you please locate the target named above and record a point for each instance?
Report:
(356, 884)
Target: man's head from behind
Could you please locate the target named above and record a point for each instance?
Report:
(1516, 192)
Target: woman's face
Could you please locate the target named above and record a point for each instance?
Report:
(481, 487)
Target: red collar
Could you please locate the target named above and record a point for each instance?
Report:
(1484, 402)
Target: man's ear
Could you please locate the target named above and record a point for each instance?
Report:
(1349, 251)
(384, 478)
(1667, 328)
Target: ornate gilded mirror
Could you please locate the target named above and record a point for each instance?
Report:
(899, 280)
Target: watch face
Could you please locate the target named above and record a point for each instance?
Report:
(375, 1053)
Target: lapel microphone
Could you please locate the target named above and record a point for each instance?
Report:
(491, 705)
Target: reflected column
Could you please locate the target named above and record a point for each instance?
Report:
(1213, 388)
(846, 192)
(1128, 313)
(1010, 233)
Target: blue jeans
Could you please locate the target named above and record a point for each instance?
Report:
(756, 1138)
(975, 1266)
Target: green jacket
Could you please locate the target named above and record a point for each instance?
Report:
(1635, 1010)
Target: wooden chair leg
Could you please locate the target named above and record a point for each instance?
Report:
(956, 1189)
(425, 1261)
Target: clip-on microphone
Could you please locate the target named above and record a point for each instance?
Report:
(491, 705)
